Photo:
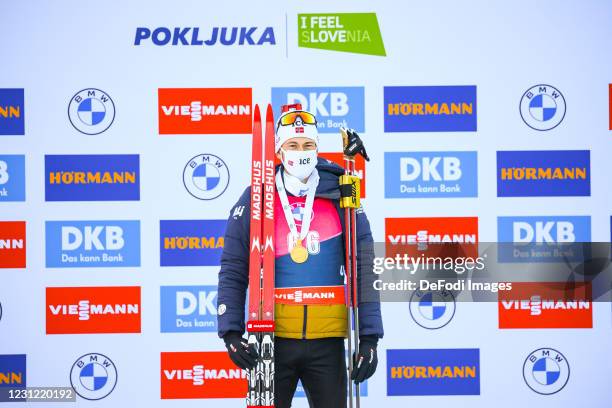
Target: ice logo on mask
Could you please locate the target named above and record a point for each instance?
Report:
(300, 163)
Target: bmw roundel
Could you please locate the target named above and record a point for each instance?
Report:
(93, 376)
(91, 111)
(546, 371)
(206, 176)
(542, 107)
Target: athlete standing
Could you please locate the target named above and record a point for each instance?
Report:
(310, 312)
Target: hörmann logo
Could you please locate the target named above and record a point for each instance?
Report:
(12, 376)
(12, 112)
(77, 310)
(201, 375)
(92, 177)
(433, 372)
(430, 174)
(191, 242)
(544, 173)
(430, 108)
(92, 243)
(546, 305)
(204, 37)
(348, 32)
(334, 107)
(204, 110)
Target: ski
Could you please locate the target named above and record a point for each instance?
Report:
(254, 309)
(260, 326)
(268, 263)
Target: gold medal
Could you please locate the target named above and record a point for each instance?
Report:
(299, 254)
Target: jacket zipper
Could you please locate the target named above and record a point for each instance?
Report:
(304, 325)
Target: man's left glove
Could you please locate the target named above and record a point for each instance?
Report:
(364, 364)
(240, 351)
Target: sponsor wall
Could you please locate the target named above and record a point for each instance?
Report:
(125, 139)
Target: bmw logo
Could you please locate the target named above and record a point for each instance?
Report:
(93, 376)
(542, 107)
(206, 176)
(91, 111)
(546, 371)
(432, 309)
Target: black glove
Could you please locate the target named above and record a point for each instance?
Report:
(242, 353)
(364, 364)
(354, 145)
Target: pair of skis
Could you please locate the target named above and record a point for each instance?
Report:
(350, 192)
(260, 324)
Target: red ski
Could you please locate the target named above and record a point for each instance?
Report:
(260, 326)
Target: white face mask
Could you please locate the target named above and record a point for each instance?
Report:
(299, 163)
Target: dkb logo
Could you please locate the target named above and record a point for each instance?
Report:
(92, 243)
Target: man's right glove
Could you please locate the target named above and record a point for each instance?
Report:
(366, 361)
(240, 351)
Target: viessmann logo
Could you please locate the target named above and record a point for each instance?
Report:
(544, 173)
(77, 310)
(204, 110)
(610, 104)
(311, 295)
(92, 177)
(12, 244)
(550, 305)
(416, 236)
(360, 166)
(348, 32)
(201, 375)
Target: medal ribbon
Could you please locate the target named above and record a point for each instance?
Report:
(312, 183)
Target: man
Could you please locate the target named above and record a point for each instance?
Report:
(309, 248)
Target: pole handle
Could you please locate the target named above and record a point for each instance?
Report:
(352, 144)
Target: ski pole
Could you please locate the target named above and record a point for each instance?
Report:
(350, 196)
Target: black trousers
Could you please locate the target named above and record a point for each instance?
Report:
(318, 363)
